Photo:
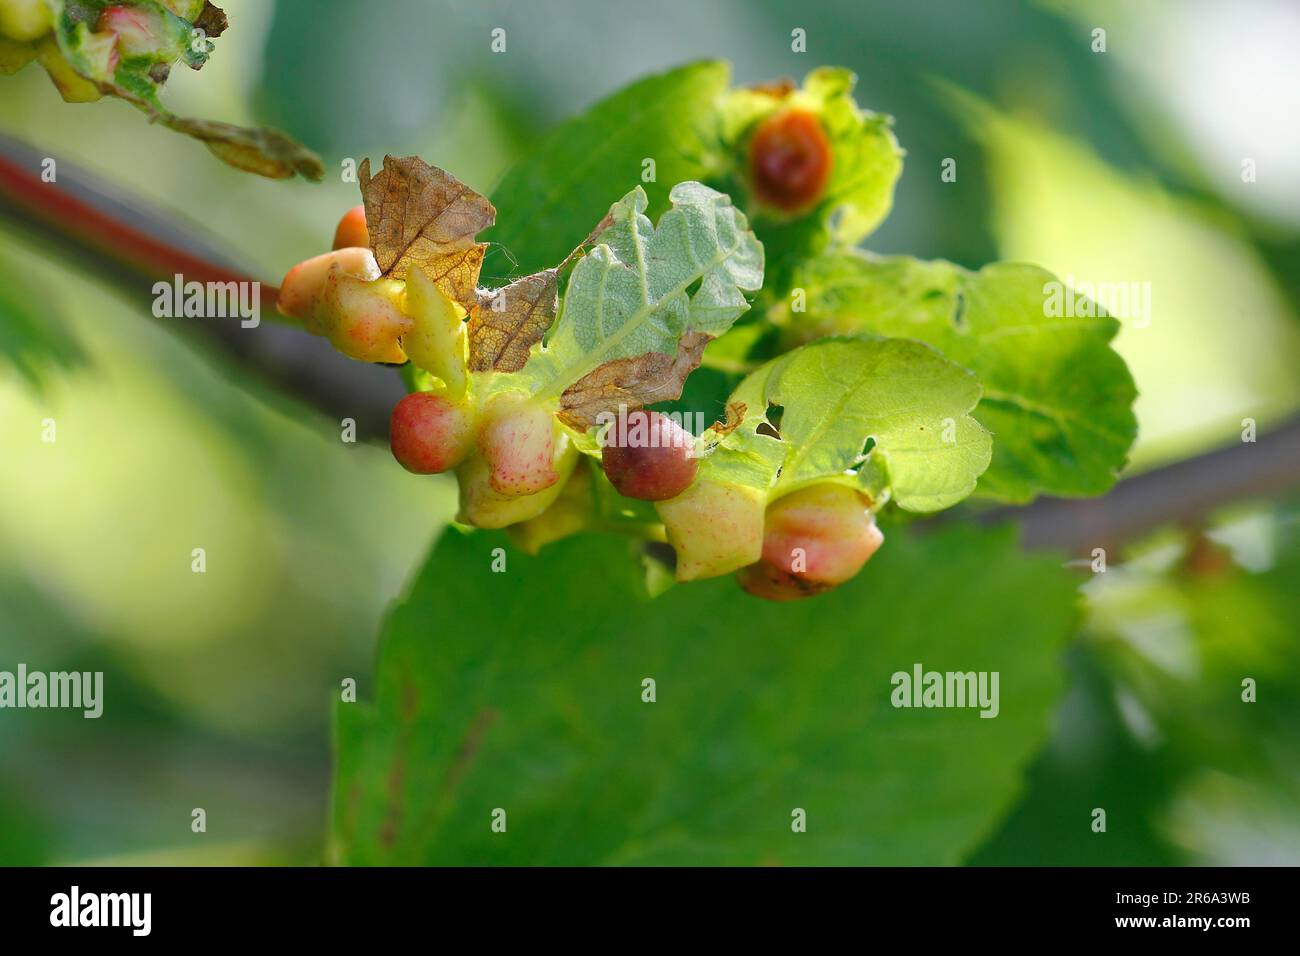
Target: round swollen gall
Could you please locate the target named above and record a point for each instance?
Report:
(302, 285)
(814, 539)
(518, 441)
(429, 433)
(647, 455)
(790, 161)
(351, 230)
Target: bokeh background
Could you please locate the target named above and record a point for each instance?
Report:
(1122, 165)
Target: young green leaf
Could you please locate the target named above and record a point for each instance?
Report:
(640, 306)
(892, 410)
(1056, 395)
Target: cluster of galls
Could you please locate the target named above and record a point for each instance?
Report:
(509, 452)
(801, 544)
(510, 455)
(513, 458)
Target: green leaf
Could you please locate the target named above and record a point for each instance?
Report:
(523, 691)
(643, 292)
(564, 185)
(1057, 398)
(837, 395)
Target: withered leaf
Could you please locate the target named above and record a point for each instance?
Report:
(211, 20)
(510, 321)
(632, 382)
(262, 150)
(777, 89)
(420, 215)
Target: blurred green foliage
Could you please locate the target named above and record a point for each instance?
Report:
(157, 451)
(33, 335)
(1156, 727)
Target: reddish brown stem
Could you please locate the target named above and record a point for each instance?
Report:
(102, 226)
(134, 246)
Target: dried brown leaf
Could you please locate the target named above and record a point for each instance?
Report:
(777, 89)
(211, 20)
(510, 321)
(421, 215)
(264, 151)
(261, 150)
(631, 382)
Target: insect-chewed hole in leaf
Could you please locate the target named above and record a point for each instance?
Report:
(771, 426)
(866, 450)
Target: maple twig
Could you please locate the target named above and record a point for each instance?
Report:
(135, 246)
